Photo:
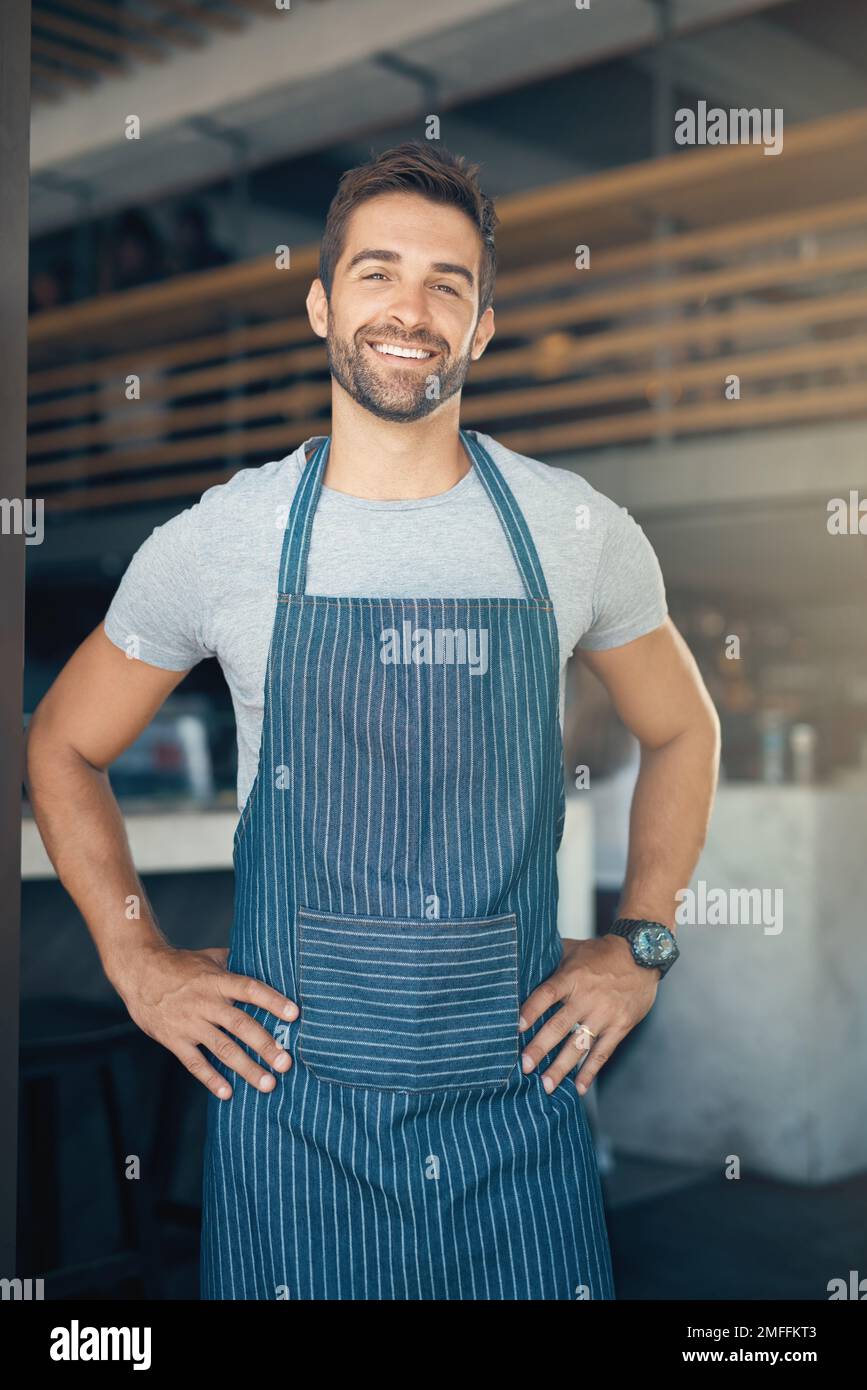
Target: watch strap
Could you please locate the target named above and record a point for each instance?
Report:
(628, 926)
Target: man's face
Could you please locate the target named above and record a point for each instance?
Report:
(407, 279)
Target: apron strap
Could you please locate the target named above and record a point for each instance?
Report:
(511, 517)
(299, 524)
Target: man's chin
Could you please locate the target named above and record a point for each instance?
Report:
(401, 413)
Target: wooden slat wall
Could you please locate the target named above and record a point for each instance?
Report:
(639, 346)
(95, 40)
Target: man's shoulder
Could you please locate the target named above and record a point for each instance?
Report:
(225, 509)
(532, 480)
(254, 485)
(229, 516)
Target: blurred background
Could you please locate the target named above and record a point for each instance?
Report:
(175, 148)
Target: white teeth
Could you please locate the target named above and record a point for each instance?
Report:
(393, 351)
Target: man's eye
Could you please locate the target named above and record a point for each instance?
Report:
(373, 275)
(451, 289)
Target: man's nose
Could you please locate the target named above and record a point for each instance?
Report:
(409, 306)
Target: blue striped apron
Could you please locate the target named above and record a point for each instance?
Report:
(395, 875)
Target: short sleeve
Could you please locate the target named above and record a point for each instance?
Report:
(629, 592)
(157, 612)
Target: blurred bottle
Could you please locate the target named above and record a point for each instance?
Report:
(802, 741)
(772, 752)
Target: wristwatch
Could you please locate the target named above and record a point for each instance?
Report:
(653, 945)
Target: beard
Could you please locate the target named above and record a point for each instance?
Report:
(387, 392)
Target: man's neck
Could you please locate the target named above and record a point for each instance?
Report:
(386, 461)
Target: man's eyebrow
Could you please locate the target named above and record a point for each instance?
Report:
(450, 268)
(441, 267)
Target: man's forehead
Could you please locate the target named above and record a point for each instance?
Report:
(389, 210)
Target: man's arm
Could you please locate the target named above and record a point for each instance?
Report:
(98, 705)
(658, 692)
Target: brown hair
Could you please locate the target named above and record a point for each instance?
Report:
(414, 167)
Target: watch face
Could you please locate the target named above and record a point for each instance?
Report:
(654, 944)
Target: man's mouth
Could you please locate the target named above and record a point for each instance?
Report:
(412, 354)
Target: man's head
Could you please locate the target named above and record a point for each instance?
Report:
(407, 262)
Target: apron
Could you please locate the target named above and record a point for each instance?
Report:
(395, 875)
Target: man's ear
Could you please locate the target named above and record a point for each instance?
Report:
(317, 308)
(483, 334)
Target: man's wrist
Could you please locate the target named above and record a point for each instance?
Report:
(121, 960)
(633, 912)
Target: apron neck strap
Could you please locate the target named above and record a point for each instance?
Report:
(511, 517)
(299, 524)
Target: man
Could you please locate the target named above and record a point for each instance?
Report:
(397, 1003)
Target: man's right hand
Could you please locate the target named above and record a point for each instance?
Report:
(98, 705)
(184, 1000)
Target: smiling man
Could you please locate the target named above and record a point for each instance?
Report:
(392, 1043)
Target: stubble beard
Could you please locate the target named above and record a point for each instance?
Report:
(408, 396)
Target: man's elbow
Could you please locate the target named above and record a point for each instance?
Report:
(33, 744)
(43, 747)
(708, 722)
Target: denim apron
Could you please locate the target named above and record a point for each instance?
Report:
(395, 875)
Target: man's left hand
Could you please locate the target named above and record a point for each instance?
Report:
(600, 985)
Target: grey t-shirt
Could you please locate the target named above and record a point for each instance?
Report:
(204, 584)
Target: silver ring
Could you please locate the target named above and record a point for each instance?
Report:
(582, 1028)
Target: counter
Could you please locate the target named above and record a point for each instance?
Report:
(756, 1046)
(175, 841)
(165, 842)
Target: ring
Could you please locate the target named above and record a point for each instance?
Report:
(582, 1028)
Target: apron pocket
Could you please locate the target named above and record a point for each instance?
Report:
(400, 1004)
